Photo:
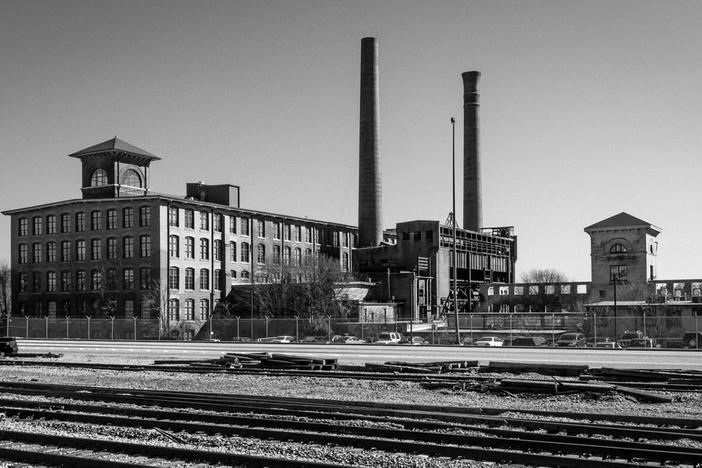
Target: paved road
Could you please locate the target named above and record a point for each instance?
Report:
(358, 354)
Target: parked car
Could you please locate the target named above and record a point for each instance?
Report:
(241, 339)
(467, 341)
(572, 340)
(313, 339)
(628, 336)
(346, 339)
(277, 339)
(389, 338)
(608, 345)
(529, 341)
(489, 341)
(642, 343)
(692, 340)
(416, 341)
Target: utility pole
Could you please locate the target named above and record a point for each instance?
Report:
(453, 226)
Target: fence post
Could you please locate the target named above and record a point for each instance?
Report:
(66, 326)
(266, 326)
(362, 322)
(237, 328)
(26, 326)
(88, 320)
(594, 326)
(644, 323)
(510, 328)
(329, 327)
(553, 331)
(112, 328)
(46, 326)
(297, 328)
(471, 328)
(697, 336)
(135, 335)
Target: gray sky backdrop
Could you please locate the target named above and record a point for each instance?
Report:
(588, 108)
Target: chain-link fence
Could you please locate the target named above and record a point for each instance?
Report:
(590, 329)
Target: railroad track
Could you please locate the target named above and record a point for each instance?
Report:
(471, 433)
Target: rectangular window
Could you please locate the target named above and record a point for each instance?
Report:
(36, 281)
(80, 222)
(345, 236)
(503, 291)
(51, 252)
(189, 247)
(550, 289)
(145, 246)
(80, 251)
(128, 247)
(51, 224)
(335, 239)
(111, 219)
(204, 249)
(51, 281)
(189, 219)
(37, 226)
(173, 246)
(232, 251)
(111, 248)
(37, 253)
(245, 252)
(111, 279)
(204, 221)
(65, 251)
(95, 249)
(204, 309)
(276, 255)
(308, 235)
(144, 278)
(81, 278)
(232, 224)
(518, 290)
(65, 223)
(217, 221)
(95, 220)
(173, 216)
(189, 278)
(128, 308)
(217, 250)
(533, 289)
(23, 227)
(217, 279)
(298, 233)
(173, 278)
(128, 279)
(565, 289)
(245, 227)
(204, 279)
(95, 280)
(144, 216)
(261, 254)
(276, 230)
(128, 218)
(261, 228)
(65, 281)
(618, 273)
(189, 309)
(286, 232)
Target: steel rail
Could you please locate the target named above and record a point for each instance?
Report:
(157, 451)
(395, 440)
(213, 424)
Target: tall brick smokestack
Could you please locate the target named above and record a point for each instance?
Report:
(370, 196)
(472, 193)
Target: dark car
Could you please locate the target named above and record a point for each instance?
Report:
(529, 341)
(572, 340)
(642, 343)
(692, 340)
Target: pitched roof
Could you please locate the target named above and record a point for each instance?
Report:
(117, 145)
(622, 220)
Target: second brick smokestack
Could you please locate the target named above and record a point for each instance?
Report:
(472, 193)
(370, 217)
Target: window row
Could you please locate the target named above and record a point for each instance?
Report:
(83, 308)
(203, 218)
(189, 280)
(68, 251)
(84, 280)
(130, 177)
(187, 310)
(78, 222)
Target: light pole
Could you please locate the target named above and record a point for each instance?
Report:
(615, 278)
(453, 227)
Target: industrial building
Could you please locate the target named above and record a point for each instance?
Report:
(124, 250)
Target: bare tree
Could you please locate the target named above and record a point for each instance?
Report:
(543, 275)
(156, 298)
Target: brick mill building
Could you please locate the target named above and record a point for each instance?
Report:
(123, 250)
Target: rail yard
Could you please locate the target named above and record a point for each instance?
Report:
(231, 410)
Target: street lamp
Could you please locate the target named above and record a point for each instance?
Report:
(453, 226)
(615, 279)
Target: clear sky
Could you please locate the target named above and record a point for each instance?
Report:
(588, 108)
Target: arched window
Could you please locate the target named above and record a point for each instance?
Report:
(98, 178)
(204, 309)
(617, 248)
(132, 178)
(189, 309)
(261, 254)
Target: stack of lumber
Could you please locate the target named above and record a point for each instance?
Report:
(422, 367)
(572, 370)
(256, 361)
(647, 375)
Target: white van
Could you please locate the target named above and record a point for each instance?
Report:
(389, 338)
